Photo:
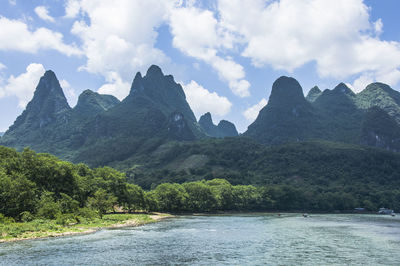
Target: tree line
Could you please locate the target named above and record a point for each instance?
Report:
(34, 185)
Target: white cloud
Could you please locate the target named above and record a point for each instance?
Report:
(12, 2)
(120, 36)
(15, 36)
(361, 82)
(389, 77)
(115, 86)
(197, 33)
(252, 112)
(69, 92)
(378, 26)
(201, 101)
(287, 34)
(2, 66)
(23, 85)
(72, 8)
(43, 13)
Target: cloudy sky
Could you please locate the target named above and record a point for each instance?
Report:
(225, 53)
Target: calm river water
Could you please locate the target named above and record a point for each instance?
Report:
(248, 239)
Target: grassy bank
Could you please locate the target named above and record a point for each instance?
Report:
(40, 228)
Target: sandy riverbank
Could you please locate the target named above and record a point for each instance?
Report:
(87, 229)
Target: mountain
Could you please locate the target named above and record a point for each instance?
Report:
(1, 134)
(339, 115)
(91, 103)
(334, 115)
(287, 117)
(313, 94)
(379, 129)
(223, 129)
(381, 95)
(155, 117)
(100, 126)
(48, 108)
(329, 165)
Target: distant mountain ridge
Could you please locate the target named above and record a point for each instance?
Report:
(101, 130)
(334, 115)
(223, 129)
(155, 111)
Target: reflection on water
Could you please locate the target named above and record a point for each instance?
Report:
(251, 239)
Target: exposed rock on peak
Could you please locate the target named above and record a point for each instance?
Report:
(178, 128)
(313, 94)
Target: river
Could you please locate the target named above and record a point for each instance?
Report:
(240, 239)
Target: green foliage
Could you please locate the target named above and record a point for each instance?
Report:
(318, 176)
(47, 207)
(26, 216)
(170, 197)
(102, 201)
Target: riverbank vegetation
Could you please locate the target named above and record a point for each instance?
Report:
(40, 187)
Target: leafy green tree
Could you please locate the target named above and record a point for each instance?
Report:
(102, 201)
(200, 197)
(134, 197)
(222, 192)
(170, 197)
(17, 194)
(246, 197)
(48, 208)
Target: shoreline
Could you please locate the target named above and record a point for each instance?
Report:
(155, 217)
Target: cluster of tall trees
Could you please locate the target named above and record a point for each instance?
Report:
(40, 185)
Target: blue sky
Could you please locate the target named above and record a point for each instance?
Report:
(225, 53)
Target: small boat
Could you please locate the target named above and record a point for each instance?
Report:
(393, 214)
(385, 211)
(305, 215)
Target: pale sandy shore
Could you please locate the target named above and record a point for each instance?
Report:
(128, 223)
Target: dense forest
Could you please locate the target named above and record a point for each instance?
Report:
(40, 185)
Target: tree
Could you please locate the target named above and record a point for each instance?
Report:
(102, 201)
(17, 194)
(134, 197)
(200, 197)
(171, 197)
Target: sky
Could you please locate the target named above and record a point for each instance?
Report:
(226, 54)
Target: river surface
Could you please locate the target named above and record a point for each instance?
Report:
(240, 239)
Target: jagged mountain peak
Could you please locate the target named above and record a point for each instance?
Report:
(343, 88)
(223, 129)
(313, 94)
(227, 129)
(48, 98)
(206, 119)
